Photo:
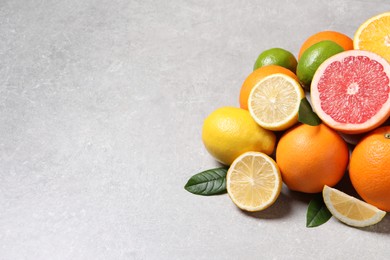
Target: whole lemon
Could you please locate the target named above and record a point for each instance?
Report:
(229, 132)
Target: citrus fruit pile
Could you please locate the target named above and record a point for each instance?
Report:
(267, 141)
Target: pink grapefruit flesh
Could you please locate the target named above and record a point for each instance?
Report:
(350, 91)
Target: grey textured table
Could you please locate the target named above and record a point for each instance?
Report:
(101, 110)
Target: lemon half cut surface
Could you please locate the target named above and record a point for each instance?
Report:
(350, 210)
(274, 102)
(253, 181)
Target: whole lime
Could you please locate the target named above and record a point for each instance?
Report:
(276, 56)
(229, 132)
(313, 57)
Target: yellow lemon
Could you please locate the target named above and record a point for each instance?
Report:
(350, 210)
(229, 132)
(274, 102)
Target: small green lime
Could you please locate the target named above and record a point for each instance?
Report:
(313, 57)
(276, 56)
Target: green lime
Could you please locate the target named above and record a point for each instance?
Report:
(313, 57)
(276, 56)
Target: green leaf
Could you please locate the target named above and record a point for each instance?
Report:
(306, 114)
(317, 212)
(210, 182)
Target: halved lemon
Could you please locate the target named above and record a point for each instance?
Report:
(374, 35)
(274, 102)
(253, 181)
(350, 210)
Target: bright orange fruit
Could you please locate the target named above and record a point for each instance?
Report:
(310, 157)
(370, 167)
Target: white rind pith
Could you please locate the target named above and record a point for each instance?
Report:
(351, 222)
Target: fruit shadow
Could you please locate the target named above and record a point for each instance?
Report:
(279, 209)
(383, 227)
(283, 206)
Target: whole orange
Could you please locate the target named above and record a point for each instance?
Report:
(258, 75)
(369, 168)
(339, 38)
(310, 157)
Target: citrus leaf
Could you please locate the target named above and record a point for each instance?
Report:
(210, 182)
(306, 114)
(317, 212)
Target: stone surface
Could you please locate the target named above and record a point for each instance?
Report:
(101, 110)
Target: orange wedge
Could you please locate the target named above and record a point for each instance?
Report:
(374, 35)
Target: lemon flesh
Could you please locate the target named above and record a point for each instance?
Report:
(253, 181)
(274, 102)
(350, 210)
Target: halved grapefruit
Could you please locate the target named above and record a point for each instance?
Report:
(350, 91)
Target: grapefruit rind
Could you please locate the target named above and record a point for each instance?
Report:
(375, 121)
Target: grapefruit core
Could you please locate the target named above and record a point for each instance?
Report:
(350, 91)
